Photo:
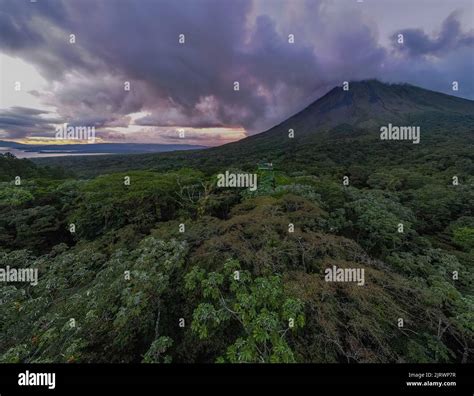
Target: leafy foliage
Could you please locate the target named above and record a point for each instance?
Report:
(257, 306)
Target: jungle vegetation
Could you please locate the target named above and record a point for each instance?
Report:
(171, 268)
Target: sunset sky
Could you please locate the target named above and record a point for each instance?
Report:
(190, 85)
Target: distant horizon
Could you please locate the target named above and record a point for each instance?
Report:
(43, 150)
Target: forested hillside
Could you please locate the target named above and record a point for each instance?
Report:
(146, 259)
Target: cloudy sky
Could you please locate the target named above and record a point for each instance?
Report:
(190, 86)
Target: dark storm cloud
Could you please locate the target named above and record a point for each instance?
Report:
(38, 32)
(145, 48)
(417, 42)
(138, 42)
(19, 22)
(191, 85)
(22, 121)
(14, 37)
(24, 111)
(434, 61)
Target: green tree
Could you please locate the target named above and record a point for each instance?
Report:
(258, 307)
(464, 237)
(157, 350)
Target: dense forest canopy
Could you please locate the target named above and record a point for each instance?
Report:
(145, 259)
